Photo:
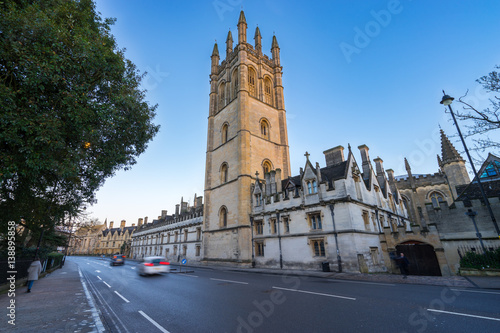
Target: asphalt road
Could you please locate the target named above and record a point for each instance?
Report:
(208, 300)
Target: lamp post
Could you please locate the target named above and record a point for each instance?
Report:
(447, 100)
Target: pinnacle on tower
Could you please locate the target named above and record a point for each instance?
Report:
(242, 29)
(448, 152)
(275, 43)
(258, 40)
(275, 50)
(407, 165)
(229, 43)
(215, 52)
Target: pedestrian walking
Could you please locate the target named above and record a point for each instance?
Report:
(33, 271)
(403, 263)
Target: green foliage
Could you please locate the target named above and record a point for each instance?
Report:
(490, 259)
(54, 259)
(72, 112)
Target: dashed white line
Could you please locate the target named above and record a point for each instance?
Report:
(126, 300)
(314, 293)
(106, 284)
(99, 277)
(229, 281)
(476, 291)
(464, 314)
(190, 275)
(154, 322)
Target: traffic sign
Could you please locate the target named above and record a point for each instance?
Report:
(184, 261)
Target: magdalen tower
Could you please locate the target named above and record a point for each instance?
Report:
(247, 136)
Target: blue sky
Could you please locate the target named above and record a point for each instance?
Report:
(354, 73)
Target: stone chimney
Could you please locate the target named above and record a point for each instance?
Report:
(139, 222)
(146, 220)
(177, 209)
(379, 165)
(122, 224)
(163, 214)
(133, 224)
(390, 175)
(199, 201)
(111, 225)
(278, 180)
(334, 156)
(365, 158)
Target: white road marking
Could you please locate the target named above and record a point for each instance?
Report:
(464, 314)
(106, 284)
(154, 322)
(126, 300)
(132, 267)
(99, 277)
(190, 275)
(90, 299)
(229, 281)
(314, 293)
(477, 291)
(98, 271)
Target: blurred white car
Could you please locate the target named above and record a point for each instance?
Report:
(153, 265)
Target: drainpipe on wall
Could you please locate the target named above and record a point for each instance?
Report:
(253, 248)
(279, 238)
(335, 233)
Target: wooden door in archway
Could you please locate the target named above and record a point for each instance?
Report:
(422, 258)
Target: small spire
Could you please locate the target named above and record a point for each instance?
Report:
(258, 40)
(242, 18)
(229, 36)
(229, 42)
(215, 51)
(407, 165)
(275, 43)
(439, 160)
(257, 32)
(448, 152)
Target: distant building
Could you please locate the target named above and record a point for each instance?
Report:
(176, 237)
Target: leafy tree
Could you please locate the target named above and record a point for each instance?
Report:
(482, 123)
(72, 111)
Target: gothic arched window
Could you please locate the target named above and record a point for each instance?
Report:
(252, 82)
(268, 97)
(223, 217)
(223, 173)
(222, 95)
(436, 199)
(224, 132)
(266, 167)
(264, 129)
(234, 80)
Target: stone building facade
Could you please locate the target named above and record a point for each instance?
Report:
(176, 237)
(85, 240)
(334, 214)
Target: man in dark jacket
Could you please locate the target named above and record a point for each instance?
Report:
(403, 263)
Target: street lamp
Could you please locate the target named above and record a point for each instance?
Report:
(447, 100)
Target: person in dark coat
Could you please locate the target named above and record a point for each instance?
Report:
(33, 272)
(403, 265)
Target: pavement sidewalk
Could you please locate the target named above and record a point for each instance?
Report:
(57, 303)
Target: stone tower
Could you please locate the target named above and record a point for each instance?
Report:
(452, 165)
(247, 133)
